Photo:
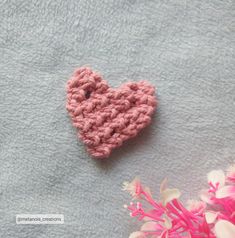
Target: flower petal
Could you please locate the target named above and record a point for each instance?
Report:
(195, 206)
(226, 191)
(150, 226)
(137, 234)
(216, 177)
(224, 229)
(169, 195)
(163, 185)
(206, 197)
(134, 187)
(210, 217)
(167, 222)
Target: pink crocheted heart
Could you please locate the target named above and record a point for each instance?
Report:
(106, 117)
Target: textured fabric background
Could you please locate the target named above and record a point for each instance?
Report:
(185, 48)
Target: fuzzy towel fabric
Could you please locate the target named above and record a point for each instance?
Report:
(185, 48)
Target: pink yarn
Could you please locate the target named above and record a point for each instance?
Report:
(106, 117)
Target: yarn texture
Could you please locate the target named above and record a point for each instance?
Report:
(106, 117)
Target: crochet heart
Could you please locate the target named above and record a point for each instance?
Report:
(106, 117)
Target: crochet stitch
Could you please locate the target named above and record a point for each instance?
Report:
(106, 117)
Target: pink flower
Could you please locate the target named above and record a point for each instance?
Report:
(196, 207)
(168, 218)
(134, 188)
(216, 179)
(221, 194)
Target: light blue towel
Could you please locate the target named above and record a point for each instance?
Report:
(184, 48)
